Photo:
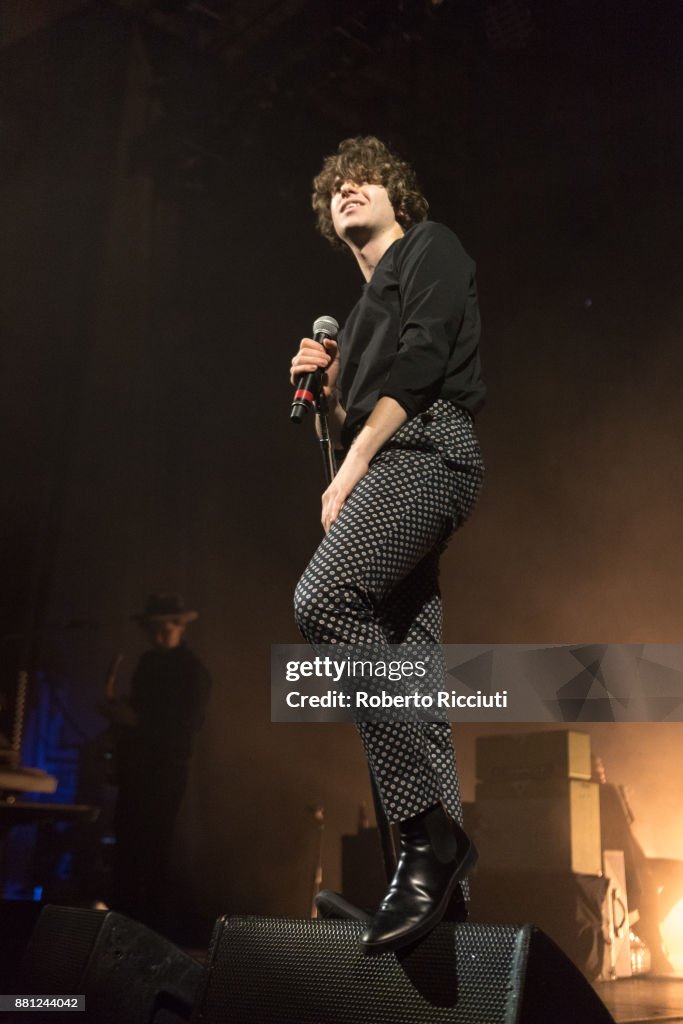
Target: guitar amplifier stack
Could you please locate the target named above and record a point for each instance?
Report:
(536, 806)
(536, 822)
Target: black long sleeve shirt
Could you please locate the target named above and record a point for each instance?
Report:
(414, 333)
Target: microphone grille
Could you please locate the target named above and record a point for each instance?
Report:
(327, 325)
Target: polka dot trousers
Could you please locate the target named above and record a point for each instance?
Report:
(374, 581)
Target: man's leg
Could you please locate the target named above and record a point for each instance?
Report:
(386, 534)
(399, 514)
(412, 614)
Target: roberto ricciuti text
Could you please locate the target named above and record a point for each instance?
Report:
(444, 699)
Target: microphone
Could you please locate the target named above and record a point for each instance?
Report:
(309, 384)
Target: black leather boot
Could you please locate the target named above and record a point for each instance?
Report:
(435, 854)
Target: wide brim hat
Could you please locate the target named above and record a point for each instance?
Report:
(165, 608)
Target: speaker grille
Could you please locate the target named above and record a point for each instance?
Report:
(69, 934)
(281, 971)
(126, 972)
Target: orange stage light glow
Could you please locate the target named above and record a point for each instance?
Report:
(672, 934)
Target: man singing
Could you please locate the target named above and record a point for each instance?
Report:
(402, 387)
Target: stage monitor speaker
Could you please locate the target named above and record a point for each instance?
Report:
(126, 972)
(283, 971)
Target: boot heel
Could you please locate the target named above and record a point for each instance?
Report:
(469, 860)
(457, 910)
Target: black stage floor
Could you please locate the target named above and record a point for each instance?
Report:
(643, 1000)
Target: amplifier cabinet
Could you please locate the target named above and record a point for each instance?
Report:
(546, 825)
(556, 754)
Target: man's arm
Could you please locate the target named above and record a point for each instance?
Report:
(382, 423)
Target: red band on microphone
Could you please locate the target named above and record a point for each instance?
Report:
(307, 396)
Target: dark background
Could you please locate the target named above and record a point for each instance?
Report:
(160, 265)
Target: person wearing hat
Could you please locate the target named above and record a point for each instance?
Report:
(155, 726)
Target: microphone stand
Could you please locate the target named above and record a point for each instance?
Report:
(319, 818)
(386, 836)
(326, 449)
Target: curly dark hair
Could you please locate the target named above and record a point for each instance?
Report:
(366, 159)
